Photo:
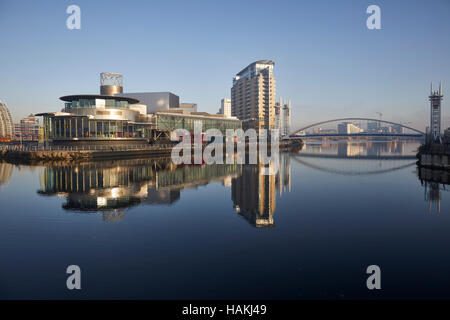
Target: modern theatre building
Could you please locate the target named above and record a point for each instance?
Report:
(113, 118)
(100, 118)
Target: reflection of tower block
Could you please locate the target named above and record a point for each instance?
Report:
(435, 113)
(111, 83)
(433, 195)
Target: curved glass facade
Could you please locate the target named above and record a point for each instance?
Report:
(95, 103)
(173, 121)
(76, 127)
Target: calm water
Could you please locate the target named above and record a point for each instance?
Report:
(147, 229)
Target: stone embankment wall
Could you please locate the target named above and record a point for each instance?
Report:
(32, 156)
(434, 156)
(20, 156)
(435, 161)
(434, 175)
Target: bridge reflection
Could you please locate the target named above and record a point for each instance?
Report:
(358, 158)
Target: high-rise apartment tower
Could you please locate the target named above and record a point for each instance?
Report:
(253, 96)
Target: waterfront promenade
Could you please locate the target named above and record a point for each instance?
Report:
(32, 154)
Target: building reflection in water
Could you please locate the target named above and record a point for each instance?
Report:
(110, 187)
(254, 194)
(6, 170)
(434, 182)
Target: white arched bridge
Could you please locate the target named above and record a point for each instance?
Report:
(383, 128)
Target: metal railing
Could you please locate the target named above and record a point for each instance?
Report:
(85, 148)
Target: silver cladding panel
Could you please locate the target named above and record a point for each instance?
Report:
(155, 100)
(106, 114)
(110, 90)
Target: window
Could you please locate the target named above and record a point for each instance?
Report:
(99, 128)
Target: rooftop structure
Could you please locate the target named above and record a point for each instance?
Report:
(225, 107)
(254, 68)
(155, 101)
(111, 83)
(192, 107)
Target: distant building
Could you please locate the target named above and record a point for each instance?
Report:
(278, 116)
(348, 128)
(6, 123)
(283, 117)
(373, 127)
(225, 107)
(191, 107)
(435, 113)
(396, 128)
(327, 131)
(28, 129)
(286, 112)
(253, 96)
(155, 101)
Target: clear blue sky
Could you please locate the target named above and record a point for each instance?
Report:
(327, 62)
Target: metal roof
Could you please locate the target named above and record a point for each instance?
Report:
(97, 96)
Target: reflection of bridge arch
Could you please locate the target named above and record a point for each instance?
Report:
(353, 171)
(355, 119)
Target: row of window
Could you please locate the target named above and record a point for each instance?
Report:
(91, 103)
(170, 123)
(80, 127)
